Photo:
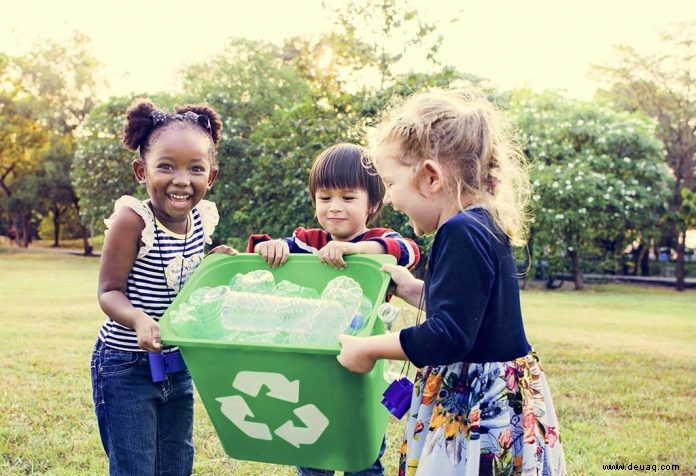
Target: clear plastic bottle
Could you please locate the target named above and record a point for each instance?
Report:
(254, 309)
(260, 281)
(287, 288)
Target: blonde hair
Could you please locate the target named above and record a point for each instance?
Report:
(470, 140)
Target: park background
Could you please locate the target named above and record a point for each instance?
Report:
(609, 131)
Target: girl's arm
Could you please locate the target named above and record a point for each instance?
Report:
(408, 288)
(359, 354)
(117, 257)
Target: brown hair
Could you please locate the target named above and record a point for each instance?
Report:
(470, 139)
(340, 167)
(145, 122)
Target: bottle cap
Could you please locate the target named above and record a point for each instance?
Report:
(356, 323)
(387, 312)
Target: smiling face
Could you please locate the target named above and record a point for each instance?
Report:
(403, 195)
(177, 172)
(407, 194)
(342, 212)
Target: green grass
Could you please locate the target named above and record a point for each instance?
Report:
(620, 361)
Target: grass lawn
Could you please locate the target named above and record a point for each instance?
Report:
(621, 362)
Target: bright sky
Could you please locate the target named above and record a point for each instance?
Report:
(537, 43)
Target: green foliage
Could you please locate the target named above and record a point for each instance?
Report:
(46, 95)
(60, 78)
(22, 138)
(599, 179)
(101, 170)
(688, 208)
(661, 85)
(367, 24)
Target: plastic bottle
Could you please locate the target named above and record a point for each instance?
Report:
(260, 281)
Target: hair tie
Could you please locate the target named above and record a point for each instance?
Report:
(204, 122)
(158, 118)
(492, 184)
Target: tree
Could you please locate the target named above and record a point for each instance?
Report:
(60, 76)
(390, 28)
(57, 195)
(662, 85)
(23, 141)
(599, 181)
(54, 87)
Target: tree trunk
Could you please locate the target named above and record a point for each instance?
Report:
(643, 261)
(56, 226)
(85, 235)
(23, 230)
(85, 242)
(577, 271)
(679, 272)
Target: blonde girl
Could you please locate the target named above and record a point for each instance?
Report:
(481, 403)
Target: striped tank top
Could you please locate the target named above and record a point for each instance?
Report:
(164, 260)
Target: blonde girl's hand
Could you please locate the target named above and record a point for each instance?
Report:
(228, 250)
(148, 332)
(274, 252)
(354, 354)
(408, 287)
(332, 253)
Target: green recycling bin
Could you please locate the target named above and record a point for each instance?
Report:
(289, 404)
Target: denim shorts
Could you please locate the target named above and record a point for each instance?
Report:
(146, 428)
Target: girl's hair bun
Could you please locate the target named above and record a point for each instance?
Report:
(138, 123)
(207, 111)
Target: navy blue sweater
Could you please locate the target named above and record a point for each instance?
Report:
(472, 302)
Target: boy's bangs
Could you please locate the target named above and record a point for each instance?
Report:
(340, 174)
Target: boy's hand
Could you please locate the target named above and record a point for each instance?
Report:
(332, 254)
(228, 250)
(148, 332)
(274, 252)
(354, 354)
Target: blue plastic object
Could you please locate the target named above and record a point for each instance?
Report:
(162, 364)
(397, 397)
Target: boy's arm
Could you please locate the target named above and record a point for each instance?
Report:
(255, 240)
(405, 250)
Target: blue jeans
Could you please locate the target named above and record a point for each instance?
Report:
(146, 428)
(375, 470)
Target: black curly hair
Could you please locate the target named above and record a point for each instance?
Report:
(142, 129)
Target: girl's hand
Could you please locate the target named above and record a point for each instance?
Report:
(274, 252)
(148, 332)
(408, 287)
(354, 354)
(332, 254)
(228, 250)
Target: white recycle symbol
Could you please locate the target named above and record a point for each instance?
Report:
(236, 409)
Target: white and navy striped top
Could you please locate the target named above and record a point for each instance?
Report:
(164, 260)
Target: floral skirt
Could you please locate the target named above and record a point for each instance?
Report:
(494, 418)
